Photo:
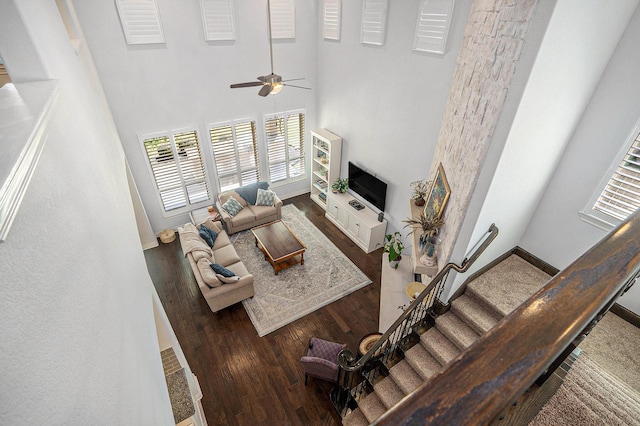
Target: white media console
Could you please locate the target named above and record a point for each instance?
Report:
(362, 226)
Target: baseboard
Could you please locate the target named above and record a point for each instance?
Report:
(150, 245)
(536, 261)
(627, 315)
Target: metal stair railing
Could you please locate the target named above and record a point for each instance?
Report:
(358, 374)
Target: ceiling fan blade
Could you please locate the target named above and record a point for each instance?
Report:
(292, 79)
(249, 84)
(297, 87)
(266, 89)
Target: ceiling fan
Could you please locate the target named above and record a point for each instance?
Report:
(271, 83)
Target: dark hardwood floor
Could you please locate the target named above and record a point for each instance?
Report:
(250, 380)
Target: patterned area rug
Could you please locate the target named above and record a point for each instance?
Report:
(326, 276)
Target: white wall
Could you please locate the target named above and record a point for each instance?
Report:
(185, 81)
(387, 102)
(77, 330)
(556, 232)
(576, 48)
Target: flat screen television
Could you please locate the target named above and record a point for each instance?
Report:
(367, 186)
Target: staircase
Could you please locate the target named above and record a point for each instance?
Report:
(485, 301)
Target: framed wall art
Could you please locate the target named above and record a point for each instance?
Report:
(438, 195)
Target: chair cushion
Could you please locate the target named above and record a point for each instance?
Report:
(232, 206)
(250, 192)
(324, 349)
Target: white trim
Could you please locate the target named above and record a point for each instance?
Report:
(24, 133)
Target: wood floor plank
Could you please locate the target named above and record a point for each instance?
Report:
(246, 379)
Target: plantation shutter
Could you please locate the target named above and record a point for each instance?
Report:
(332, 19)
(218, 20)
(165, 172)
(192, 166)
(374, 20)
(432, 28)
(235, 153)
(140, 21)
(283, 19)
(621, 195)
(285, 146)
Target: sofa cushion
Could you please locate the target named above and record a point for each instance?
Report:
(226, 255)
(265, 197)
(239, 269)
(250, 192)
(214, 225)
(263, 212)
(219, 269)
(209, 235)
(228, 280)
(208, 275)
(245, 216)
(221, 241)
(232, 206)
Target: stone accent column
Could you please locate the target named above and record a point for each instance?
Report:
(488, 58)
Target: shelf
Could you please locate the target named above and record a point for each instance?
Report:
(325, 165)
(323, 149)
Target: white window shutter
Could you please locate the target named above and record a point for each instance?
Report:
(374, 21)
(140, 21)
(218, 20)
(283, 19)
(332, 19)
(432, 28)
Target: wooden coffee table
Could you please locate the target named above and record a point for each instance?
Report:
(279, 245)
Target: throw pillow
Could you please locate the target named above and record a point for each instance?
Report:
(228, 280)
(219, 269)
(209, 235)
(232, 206)
(265, 197)
(249, 192)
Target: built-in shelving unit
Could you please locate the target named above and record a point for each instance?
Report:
(325, 169)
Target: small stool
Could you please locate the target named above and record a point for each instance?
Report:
(167, 236)
(414, 289)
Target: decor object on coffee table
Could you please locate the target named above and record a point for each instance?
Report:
(438, 195)
(321, 360)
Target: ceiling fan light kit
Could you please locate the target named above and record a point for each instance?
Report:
(271, 83)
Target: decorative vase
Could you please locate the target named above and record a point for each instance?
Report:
(419, 201)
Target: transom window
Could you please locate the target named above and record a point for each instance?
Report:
(176, 164)
(285, 146)
(235, 153)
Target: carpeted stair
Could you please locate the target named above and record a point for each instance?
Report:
(487, 299)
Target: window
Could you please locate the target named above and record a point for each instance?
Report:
(620, 196)
(177, 167)
(285, 146)
(235, 153)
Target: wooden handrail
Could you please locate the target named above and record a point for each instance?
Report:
(500, 366)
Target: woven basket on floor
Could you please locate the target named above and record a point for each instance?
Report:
(167, 236)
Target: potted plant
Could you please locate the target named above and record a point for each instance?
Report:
(428, 228)
(394, 246)
(340, 185)
(420, 189)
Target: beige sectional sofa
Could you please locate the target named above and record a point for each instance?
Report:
(217, 294)
(250, 215)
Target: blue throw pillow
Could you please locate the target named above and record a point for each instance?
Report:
(208, 234)
(219, 269)
(250, 192)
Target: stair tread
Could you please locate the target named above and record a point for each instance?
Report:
(456, 330)
(372, 407)
(388, 392)
(355, 418)
(405, 376)
(474, 313)
(423, 362)
(508, 284)
(439, 346)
